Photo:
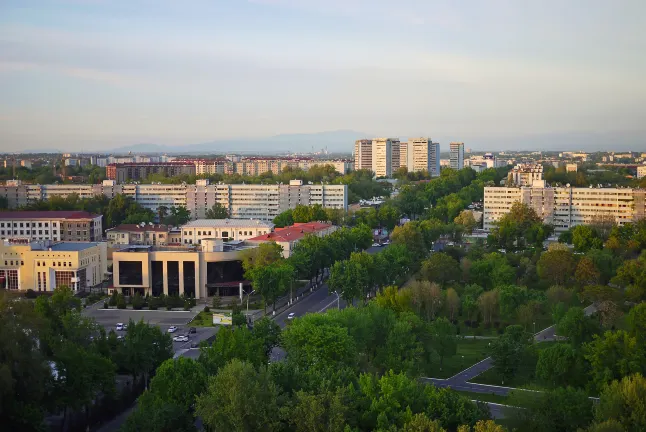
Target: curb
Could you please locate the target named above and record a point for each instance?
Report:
(146, 310)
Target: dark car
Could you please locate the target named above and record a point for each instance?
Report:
(192, 330)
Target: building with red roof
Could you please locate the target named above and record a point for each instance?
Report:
(288, 237)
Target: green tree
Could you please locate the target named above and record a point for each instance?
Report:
(556, 266)
(240, 399)
(612, 356)
(586, 273)
(268, 332)
(410, 236)
(444, 339)
(144, 348)
(491, 271)
(284, 219)
(636, 322)
(265, 254)
(584, 238)
(632, 276)
(622, 402)
(177, 216)
(392, 298)
(466, 219)
(154, 415)
(317, 412)
(511, 350)
(388, 216)
(577, 327)
(440, 268)
(178, 382)
(560, 365)
(217, 211)
(230, 344)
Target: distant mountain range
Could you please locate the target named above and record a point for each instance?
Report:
(334, 141)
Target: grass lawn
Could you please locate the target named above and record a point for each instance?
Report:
(523, 378)
(469, 352)
(202, 319)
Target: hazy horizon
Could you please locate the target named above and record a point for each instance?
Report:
(93, 75)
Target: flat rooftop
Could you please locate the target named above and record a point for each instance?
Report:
(227, 223)
(63, 246)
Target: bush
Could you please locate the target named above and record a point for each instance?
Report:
(153, 303)
(31, 294)
(113, 298)
(207, 309)
(137, 302)
(106, 305)
(121, 302)
(217, 302)
(187, 305)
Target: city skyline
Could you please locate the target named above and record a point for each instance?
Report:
(86, 74)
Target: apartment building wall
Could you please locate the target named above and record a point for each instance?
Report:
(456, 155)
(51, 225)
(363, 154)
(566, 207)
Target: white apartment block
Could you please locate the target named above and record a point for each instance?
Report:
(566, 207)
(385, 156)
(241, 200)
(525, 174)
(641, 171)
(225, 229)
(257, 166)
(51, 225)
(456, 155)
(421, 154)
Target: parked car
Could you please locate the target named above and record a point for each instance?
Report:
(192, 330)
(375, 245)
(120, 327)
(291, 316)
(119, 337)
(172, 329)
(181, 338)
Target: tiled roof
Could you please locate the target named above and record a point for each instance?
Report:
(47, 214)
(292, 233)
(227, 223)
(135, 227)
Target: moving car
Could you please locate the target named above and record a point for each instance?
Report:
(120, 327)
(172, 329)
(291, 316)
(181, 338)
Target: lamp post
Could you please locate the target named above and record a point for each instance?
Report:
(338, 303)
(534, 327)
(249, 295)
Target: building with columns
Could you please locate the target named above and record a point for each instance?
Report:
(210, 269)
(46, 265)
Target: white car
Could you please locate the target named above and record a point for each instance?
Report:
(291, 316)
(119, 337)
(181, 338)
(172, 329)
(375, 245)
(120, 327)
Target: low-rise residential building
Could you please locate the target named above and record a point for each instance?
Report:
(288, 237)
(122, 173)
(525, 174)
(213, 269)
(565, 207)
(226, 229)
(141, 234)
(46, 265)
(641, 171)
(51, 225)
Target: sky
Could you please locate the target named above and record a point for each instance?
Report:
(98, 74)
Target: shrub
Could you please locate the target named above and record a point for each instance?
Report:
(121, 302)
(153, 303)
(31, 294)
(113, 298)
(106, 305)
(217, 302)
(187, 305)
(137, 302)
(207, 309)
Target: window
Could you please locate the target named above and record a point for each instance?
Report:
(70, 264)
(199, 233)
(21, 225)
(40, 224)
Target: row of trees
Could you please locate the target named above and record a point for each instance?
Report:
(54, 359)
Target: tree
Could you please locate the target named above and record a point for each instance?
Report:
(466, 219)
(577, 327)
(483, 426)
(410, 236)
(178, 382)
(231, 344)
(265, 254)
(489, 305)
(584, 238)
(452, 303)
(421, 423)
(624, 403)
(560, 365)
(607, 301)
(153, 415)
(444, 339)
(440, 268)
(179, 215)
(632, 276)
(388, 216)
(511, 229)
(636, 322)
(240, 399)
(491, 271)
(217, 212)
(268, 332)
(317, 412)
(556, 266)
(562, 409)
(586, 273)
(144, 349)
(612, 356)
(392, 298)
(284, 219)
(511, 350)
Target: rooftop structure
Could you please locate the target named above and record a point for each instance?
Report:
(288, 237)
(197, 231)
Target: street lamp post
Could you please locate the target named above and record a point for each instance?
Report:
(249, 295)
(534, 327)
(338, 303)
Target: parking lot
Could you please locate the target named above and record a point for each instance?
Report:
(161, 318)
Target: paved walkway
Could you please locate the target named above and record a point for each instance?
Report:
(460, 381)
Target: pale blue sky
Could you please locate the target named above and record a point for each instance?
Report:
(90, 74)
